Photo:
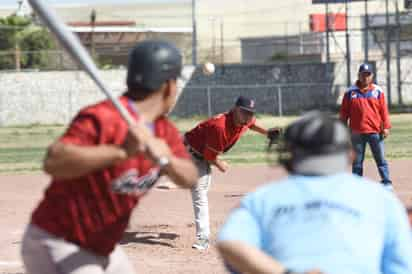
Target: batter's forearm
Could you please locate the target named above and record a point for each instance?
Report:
(181, 171)
(68, 161)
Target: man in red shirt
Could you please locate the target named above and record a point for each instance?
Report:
(78, 223)
(206, 142)
(365, 108)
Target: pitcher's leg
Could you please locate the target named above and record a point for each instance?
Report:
(201, 204)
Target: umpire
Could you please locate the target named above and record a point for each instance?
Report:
(320, 216)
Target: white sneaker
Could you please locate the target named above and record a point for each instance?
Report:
(166, 185)
(201, 244)
(388, 187)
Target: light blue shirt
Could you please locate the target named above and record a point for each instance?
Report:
(338, 224)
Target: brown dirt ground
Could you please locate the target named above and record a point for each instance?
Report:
(161, 231)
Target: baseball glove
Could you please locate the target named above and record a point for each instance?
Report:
(274, 134)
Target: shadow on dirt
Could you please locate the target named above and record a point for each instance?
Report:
(149, 238)
(233, 195)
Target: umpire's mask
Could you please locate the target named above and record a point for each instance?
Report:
(315, 144)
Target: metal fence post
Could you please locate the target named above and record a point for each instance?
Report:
(209, 102)
(280, 101)
(61, 61)
(1, 109)
(275, 100)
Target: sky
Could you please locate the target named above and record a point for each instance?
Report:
(14, 2)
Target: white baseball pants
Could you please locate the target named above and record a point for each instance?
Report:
(43, 253)
(200, 199)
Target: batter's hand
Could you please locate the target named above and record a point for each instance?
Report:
(136, 140)
(140, 140)
(157, 148)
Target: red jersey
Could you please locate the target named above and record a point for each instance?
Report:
(366, 109)
(216, 135)
(85, 210)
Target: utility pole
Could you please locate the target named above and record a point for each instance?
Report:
(388, 54)
(222, 45)
(327, 39)
(398, 55)
(366, 33)
(92, 25)
(348, 53)
(194, 34)
(213, 20)
(287, 41)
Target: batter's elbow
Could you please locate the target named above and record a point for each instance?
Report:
(49, 162)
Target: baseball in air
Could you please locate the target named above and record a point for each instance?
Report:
(208, 68)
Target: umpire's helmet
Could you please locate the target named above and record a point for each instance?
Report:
(314, 137)
(151, 63)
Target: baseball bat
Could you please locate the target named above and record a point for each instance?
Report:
(72, 44)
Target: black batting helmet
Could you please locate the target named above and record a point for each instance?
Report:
(151, 63)
(313, 135)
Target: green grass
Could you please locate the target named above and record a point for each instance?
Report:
(251, 148)
(398, 145)
(22, 148)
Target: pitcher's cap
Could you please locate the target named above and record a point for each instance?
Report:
(246, 104)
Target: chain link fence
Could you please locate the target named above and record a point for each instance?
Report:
(276, 99)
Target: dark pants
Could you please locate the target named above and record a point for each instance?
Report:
(375, 142)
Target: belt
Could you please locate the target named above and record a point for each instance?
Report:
(194, 153)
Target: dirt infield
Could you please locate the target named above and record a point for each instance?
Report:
(161, 231)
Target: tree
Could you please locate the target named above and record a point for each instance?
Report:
(10, 27)
(18, 34)
(36, 43)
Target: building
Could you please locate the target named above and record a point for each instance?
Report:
(312, 42)
(111, 41)
(221, 25)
